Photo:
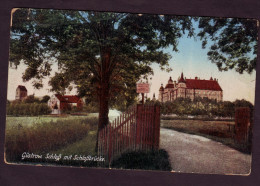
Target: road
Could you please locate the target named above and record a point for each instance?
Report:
(195, 154)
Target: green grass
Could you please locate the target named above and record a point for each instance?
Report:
(45, 137)
(86, 146)
(32, 120)
(83, 147)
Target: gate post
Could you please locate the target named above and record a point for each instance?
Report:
(242, 124)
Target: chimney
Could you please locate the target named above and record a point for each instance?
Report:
(196, 77)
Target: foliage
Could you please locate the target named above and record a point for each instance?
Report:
(31, 99)
(102, 54)
(45, 99)
(43, 138)
(151, 160)
(233, 42)
(202, 106)
(91, 107)
(27, 109)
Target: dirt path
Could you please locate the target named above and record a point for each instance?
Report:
(191, 153)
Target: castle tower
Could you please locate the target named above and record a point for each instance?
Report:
(161, 91)
(181, 92)
(154, 97)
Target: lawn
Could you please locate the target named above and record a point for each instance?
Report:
(43, 135)
(31, 120)
(221, 131)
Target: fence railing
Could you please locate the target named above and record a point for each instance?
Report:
(136, 129)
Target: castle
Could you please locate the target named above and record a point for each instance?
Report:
(191, 88)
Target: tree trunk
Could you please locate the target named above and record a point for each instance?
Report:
(103, 105)
(104, 94)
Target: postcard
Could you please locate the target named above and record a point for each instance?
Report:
(131, 91)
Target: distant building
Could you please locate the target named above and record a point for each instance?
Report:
(21, 92)
(59, 103)
(191, 88)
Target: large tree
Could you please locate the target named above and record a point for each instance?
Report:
(103, 54)
(232, 42)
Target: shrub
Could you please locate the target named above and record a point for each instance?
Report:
(151, 160)
(27, 109)
(203, 106)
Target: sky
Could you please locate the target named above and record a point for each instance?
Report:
(191, 59)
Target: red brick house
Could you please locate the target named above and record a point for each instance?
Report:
(21, 92)
(191, 88)
(59, 103)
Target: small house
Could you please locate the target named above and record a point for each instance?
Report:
(59, 103)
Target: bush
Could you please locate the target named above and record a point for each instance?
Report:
(151, 160)
(27, 109)
(91, 108)
(203, 106)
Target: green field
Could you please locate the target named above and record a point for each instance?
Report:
(34, 120)
(66, 135)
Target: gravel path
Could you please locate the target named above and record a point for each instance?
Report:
(191, 153)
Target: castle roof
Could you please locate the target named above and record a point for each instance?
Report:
(21, 87)
(203, 84)
(181, 80)
(169, 86)
(68, 98)
(161, 88)
(170, 81)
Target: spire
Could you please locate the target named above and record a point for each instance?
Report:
(161, 88)
(182, 79)
(170, 81)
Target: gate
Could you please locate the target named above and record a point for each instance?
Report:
(136, 129)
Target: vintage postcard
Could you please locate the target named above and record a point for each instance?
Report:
(131, 91)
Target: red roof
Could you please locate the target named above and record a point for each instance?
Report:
(169, 86)
(203, 84)
(21, 87)
(67, 98)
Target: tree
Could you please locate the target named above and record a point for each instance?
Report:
(45, 99)
(102, 54)
(233, 42)
(31, 99)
